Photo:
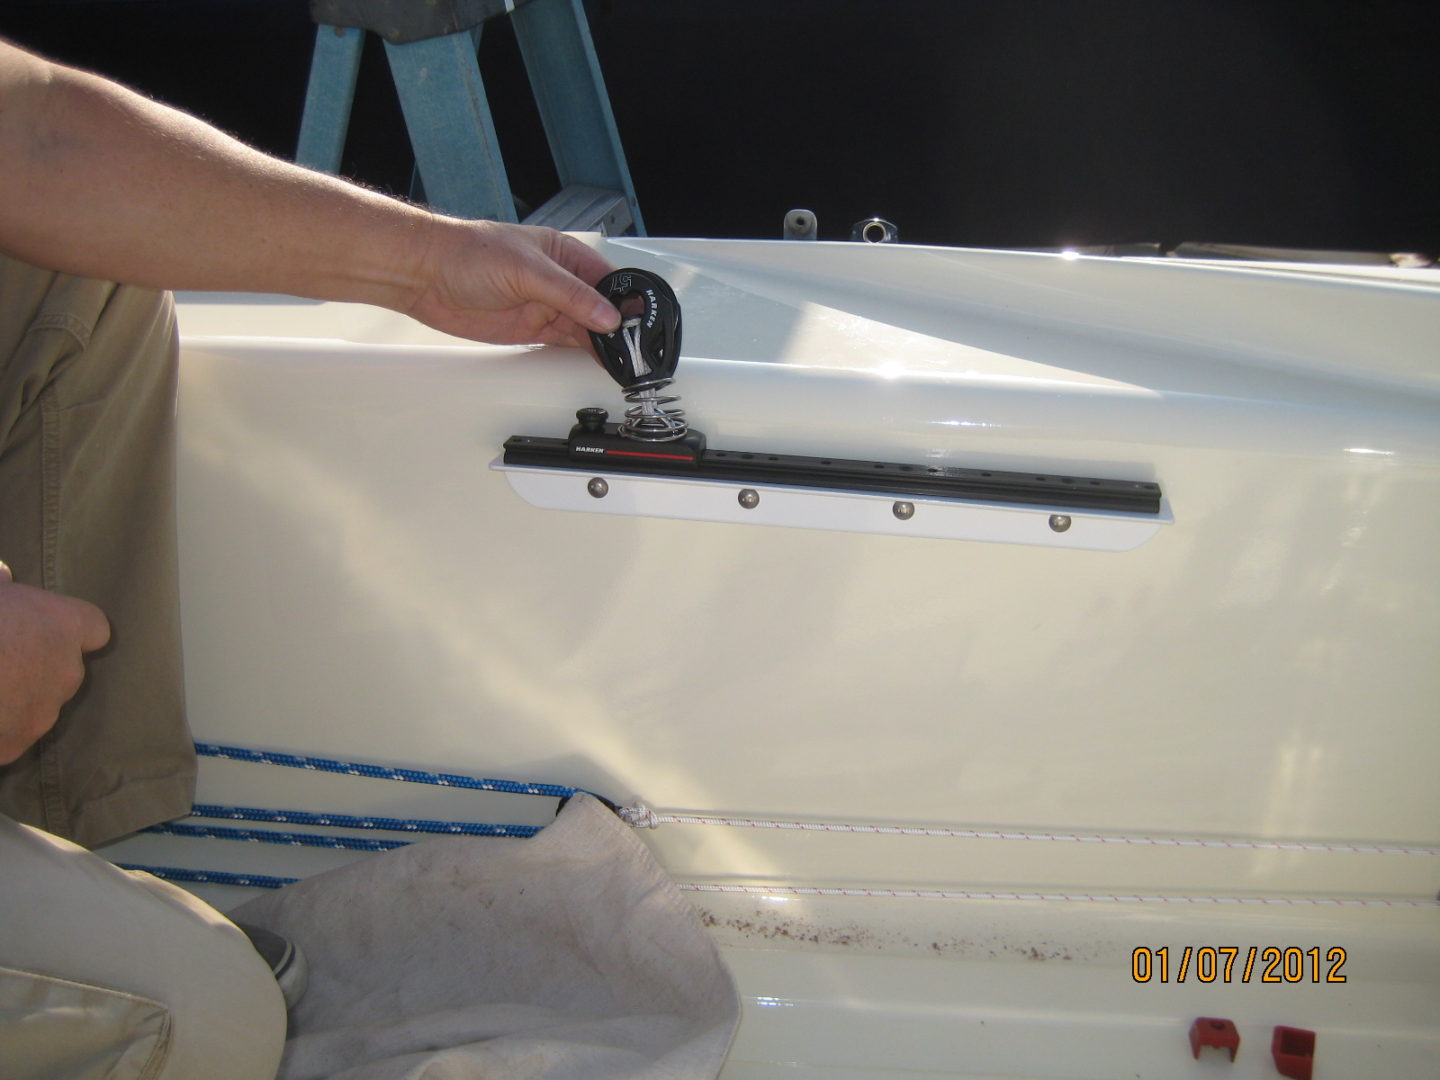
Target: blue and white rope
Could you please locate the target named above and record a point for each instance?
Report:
(347, 821)
(274, 836)
(642, 817)
(212, 877)
(383, 772)
(326, 820)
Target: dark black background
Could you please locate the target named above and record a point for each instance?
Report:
(1024, 123)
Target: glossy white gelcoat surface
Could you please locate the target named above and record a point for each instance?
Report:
(359, 583)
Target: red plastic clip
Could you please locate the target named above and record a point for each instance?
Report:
(1212, 1031)
(1294, 1052)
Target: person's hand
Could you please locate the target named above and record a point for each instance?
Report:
(511, 284)
(42, 638)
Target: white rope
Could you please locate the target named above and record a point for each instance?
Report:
(638, 816)
(630, 333)
(1100, 898)
(1010, 834)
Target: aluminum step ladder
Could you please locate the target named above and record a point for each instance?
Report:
(432, 53)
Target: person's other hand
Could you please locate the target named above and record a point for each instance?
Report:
(42, 638)
(511, 284)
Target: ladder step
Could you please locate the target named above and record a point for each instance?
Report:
(578, 208)
(447, 115)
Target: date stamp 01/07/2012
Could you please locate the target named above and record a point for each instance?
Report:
(1275, 964)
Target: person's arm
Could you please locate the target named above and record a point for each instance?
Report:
(99, 181)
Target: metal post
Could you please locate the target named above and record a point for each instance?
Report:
(448, 117)
(559, 54)
(328, 97)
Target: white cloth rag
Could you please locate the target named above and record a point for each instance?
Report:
(570, 954)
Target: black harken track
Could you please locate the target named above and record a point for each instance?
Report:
(1050, 490)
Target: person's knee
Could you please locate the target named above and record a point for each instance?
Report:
(228, 1014)
(69, 915)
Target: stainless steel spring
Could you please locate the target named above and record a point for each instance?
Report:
(649, 419)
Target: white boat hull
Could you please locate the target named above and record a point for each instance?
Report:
(932, 794)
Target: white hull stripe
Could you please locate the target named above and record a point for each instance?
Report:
(997, 834)
(1101, 898)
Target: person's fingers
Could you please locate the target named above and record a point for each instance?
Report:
(88, 624)
(582, 260)
(573, 299)
(563, 285)
(91, 626)
(512, 284)
(603, 317)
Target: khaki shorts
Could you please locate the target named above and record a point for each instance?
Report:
(87, 509)
(108, 975)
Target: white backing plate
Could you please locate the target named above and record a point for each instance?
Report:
(823, 508)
